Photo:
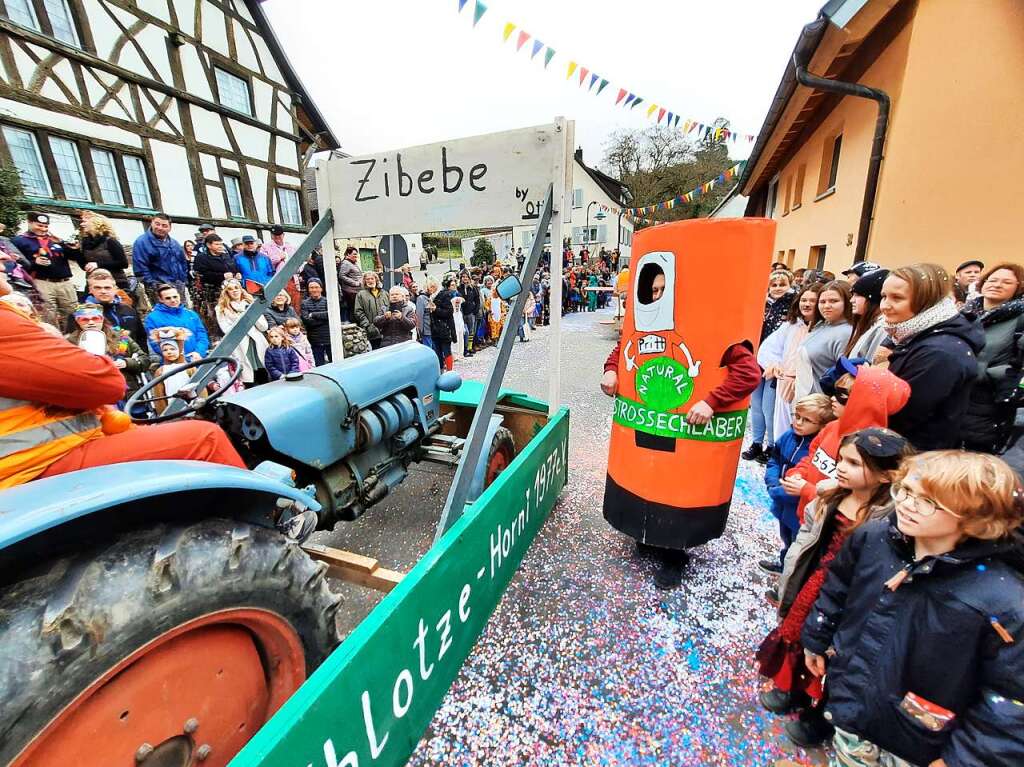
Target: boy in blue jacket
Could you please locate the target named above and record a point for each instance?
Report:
(810, 414)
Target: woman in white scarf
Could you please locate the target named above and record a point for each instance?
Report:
(231, 305)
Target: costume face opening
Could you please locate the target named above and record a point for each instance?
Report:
(654, 300)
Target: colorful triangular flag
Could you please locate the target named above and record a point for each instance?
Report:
(523, 37)
(621, 96)
(548, 55)
(508, 31)
(651, 108)
(629, 98)
(583, 74)
(537, 45)
(661, 114)
(478, 12)
(638, 100)
(602, 86)
(572, 68)
(462, 4)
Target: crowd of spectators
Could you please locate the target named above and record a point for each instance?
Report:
(886, 399)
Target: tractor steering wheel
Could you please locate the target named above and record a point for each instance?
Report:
(193, 401)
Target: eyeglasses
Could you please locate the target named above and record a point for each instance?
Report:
(842, 396)
(926, 507)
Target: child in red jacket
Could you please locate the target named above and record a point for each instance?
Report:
(864, 397)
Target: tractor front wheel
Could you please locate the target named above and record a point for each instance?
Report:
(169, 647)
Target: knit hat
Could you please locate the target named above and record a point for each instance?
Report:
(861, 268)
(870, 285)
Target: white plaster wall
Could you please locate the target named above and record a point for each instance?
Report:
(214, 31)
(153, 40)
(289, 180)
(194, 74)
(247, 56)
(258, 179)
(208, 127)
(156, 8)
(185, 9)
(263, 96)
(170, 164)
(209, 165)
(217, 207)
(50, 119)
(252, 142)
(286, 154)
(269, 65)
(229, 164)
(242, 11)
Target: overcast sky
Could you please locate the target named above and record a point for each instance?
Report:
(394, 73)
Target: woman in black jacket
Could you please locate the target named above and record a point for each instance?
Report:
(1000, 310)
(442, 322)
(314, 317)
(102, 250)
(933, 348)
(922, 617)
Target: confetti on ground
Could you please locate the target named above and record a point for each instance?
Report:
(586, 663)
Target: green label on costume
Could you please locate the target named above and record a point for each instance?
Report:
(663, 383)
(723, 427)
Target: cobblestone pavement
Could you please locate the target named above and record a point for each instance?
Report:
(585, 662)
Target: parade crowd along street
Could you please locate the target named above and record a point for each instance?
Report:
(165, 299)
(884, 407)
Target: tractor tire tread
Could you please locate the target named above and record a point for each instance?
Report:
(116, 597)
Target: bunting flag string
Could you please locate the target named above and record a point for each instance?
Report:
(625, 97)
(690, 196)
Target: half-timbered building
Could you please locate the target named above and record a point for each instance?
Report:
(128, 107)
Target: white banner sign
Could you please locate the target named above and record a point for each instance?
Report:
(499, 179)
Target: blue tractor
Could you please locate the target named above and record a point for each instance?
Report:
(156, 613)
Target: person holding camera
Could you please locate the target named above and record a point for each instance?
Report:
(48, 258)
(396, 320)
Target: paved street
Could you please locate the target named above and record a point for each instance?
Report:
(585, 662)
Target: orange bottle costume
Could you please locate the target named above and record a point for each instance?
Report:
(670, 483)
(53, 397)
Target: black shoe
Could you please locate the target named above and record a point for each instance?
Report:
(670, 572)
(752, 452)
(763, 458)
(772, 595)
(647, 551)
(770, 566)
(776, 701)
(810, 732)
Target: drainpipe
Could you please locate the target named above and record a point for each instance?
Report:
(867, 210)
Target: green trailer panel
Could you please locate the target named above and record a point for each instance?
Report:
(372, 699)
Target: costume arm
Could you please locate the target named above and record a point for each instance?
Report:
(39, 367)
(612, 363)
(744, 375)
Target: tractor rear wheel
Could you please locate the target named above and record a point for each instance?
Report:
(169, 647)
(500, 455)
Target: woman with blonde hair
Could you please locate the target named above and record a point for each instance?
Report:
(231, 305)
(934, 349)
(101, 249)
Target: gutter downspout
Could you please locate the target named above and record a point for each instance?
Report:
(867, 211)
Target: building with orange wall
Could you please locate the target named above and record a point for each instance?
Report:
(953, 154)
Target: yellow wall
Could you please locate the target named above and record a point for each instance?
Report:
(833, 220)
(954, 151)
(955, 155)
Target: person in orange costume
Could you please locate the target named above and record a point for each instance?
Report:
(876, 394)
(52, 399)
